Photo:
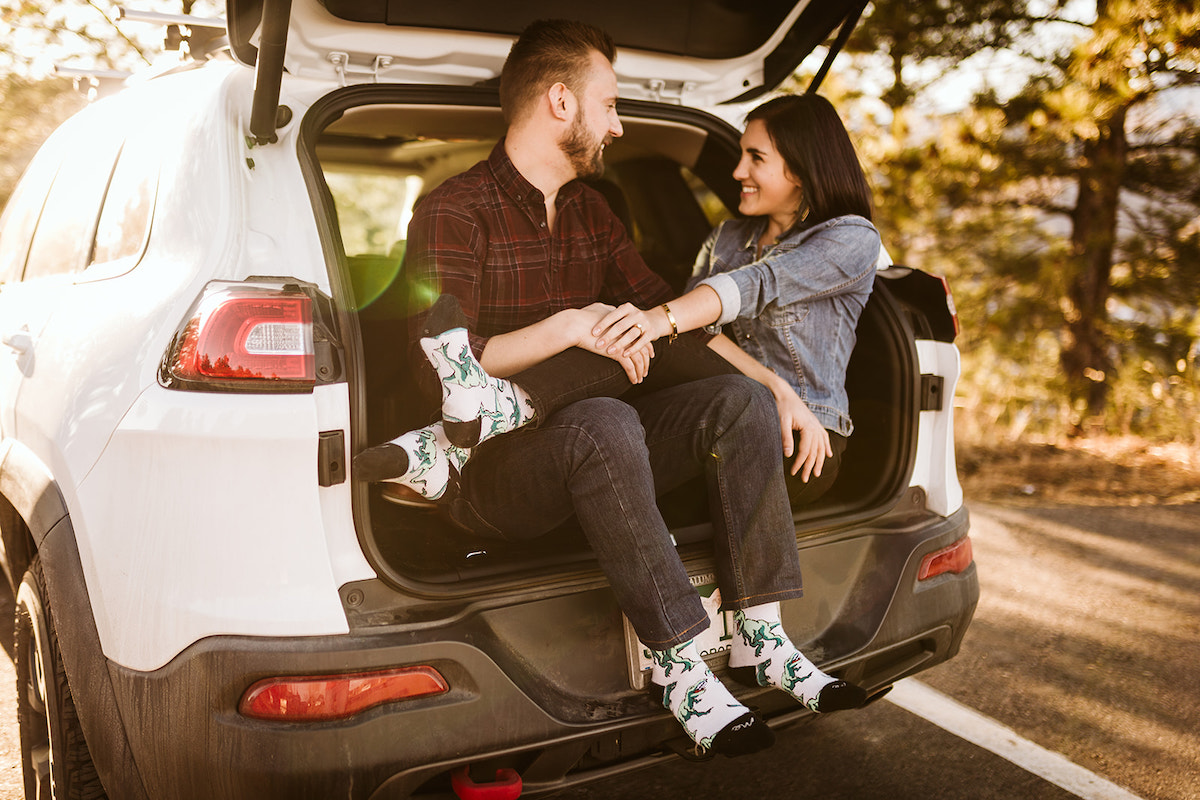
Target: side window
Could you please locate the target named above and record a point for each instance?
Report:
(22, 212)
(128, 206)
(63, 239)
(373, 209)
(714, 210)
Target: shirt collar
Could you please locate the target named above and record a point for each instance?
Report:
(511, 181)
(753, 231)
(517, 187)
(757, 225)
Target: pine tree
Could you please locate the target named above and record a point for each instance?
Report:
(1120, 182)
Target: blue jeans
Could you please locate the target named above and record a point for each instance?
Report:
(604, 460)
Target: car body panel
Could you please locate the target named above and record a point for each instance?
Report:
(25, 309)
(160, 568)
(196, 556)
(585, 709)
(937, 470)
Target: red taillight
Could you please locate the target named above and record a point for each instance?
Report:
(325, 697)
(240, 337)
(953, 559)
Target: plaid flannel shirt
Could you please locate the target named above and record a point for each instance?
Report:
(483, 237)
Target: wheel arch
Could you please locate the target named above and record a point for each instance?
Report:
(30, 506)
(35, 521)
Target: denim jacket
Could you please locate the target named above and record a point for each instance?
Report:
(795, 308)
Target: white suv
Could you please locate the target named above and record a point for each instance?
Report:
(202, 310)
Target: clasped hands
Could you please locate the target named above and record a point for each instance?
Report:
(627, 328)
(623, 333)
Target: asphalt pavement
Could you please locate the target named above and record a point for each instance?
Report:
(1083, 660)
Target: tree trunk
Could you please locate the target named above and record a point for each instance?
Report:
(1086, 357)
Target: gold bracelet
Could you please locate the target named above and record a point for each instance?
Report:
(671, 319)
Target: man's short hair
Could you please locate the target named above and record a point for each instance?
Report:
(547, 52)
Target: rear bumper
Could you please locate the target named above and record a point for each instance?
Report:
(510, 703)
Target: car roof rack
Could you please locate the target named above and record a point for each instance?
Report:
(93, 83)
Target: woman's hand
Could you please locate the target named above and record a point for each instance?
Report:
(813, 446)
(634, 358)
(628, 328)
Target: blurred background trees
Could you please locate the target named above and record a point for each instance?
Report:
(39, 36)
(1043, 155)
(1062, 199)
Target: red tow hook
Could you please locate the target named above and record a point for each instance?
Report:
(507, 785)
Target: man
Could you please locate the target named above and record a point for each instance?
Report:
(534, 259)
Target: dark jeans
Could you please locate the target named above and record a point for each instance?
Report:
(801, 493)
(604, 460)
(577, 374)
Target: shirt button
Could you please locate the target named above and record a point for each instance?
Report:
(541, 224)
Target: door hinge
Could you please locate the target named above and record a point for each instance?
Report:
(661, 92)
(932, 387)
(331, 458)
(348, 69)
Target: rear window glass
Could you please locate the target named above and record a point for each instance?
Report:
(22, 212)
(63, 239)
(128, 207)
(715, 210)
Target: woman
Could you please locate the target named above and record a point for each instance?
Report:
(790, 279)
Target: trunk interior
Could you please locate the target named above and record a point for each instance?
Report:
(669, 178)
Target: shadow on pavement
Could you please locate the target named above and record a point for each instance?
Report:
(1087, 638)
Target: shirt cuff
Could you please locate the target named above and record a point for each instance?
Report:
(730, 295)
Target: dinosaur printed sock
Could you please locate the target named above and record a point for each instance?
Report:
(420, 459)
(710, 715)
(762, 645)
(475, 406)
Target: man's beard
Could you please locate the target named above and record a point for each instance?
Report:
(585, 156)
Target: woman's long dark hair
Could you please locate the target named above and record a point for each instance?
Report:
(808, 133)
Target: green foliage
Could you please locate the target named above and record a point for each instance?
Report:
(938, 33)
(42, 34)
(1007, 198)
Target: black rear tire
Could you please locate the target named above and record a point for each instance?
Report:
(54, 755)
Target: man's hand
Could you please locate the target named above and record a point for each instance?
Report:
(635, 360)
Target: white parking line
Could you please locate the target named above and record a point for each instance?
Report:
(965, 723)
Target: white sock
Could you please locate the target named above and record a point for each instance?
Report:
(702, 704)
(430, 456)
(470, 394)
(761, 643)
